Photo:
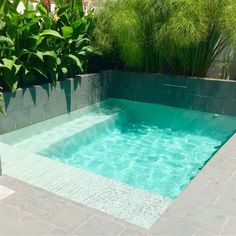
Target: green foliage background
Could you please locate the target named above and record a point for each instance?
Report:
(174, 36)
(40, 46)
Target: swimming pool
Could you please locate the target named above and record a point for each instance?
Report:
(154, 148)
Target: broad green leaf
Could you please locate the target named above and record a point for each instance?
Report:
(51, 33)
(76, 60)
(17, 68)
(7, 63)
(39, 55)
(10, 77)
(7, 40)
(42, 9)
(67, 31)
(80, 42)
(82, 53)
(50, 54)
(39, 70)
(76, 23)
(64, 70)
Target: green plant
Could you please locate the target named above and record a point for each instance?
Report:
(1, 104)
(174, 36)
(24, 47)
(193, 42)
(39, 45)
(76, 28)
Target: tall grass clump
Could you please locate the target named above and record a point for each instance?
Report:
(175, 36)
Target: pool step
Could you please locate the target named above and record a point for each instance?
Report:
(112, 197)
(41, 141)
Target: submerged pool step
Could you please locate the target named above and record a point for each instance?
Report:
(41, 141)
(112, 197)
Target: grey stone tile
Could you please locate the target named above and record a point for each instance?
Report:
(199, 183)
(13, 101)
(208, 218)
(5, 192)
(74, 101)
(27, 226)
(220, 174)
(227, 188)
(36, 203)
(108, 217)
(7, 122)
(179, 209)
(58, 232)
(41, 94)
(230, 227)
(52, 93)
(22, 118)
(84, 99)
(189, 199)
(132, 232)
(219, 159)
(63, 103)
(168, 226)
(68, 217)
(9, 214)
(50, 110)
(100, 227)
(29, 97)
(202, 232)
(232, 180)
(13, 184)
(227, 205)
(36, 114)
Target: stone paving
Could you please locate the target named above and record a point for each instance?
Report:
(32, 211)
(206, 207)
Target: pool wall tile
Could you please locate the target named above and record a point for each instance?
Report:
(42, 102)
(204, 94)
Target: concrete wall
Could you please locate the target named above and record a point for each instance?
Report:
(38, 103)
(211, 95)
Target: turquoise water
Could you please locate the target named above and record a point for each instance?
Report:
(156, 148)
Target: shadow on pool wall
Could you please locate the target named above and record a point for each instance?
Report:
(38, 103)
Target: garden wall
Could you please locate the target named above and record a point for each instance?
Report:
(38, 103)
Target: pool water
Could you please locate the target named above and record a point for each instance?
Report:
(156, 148)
